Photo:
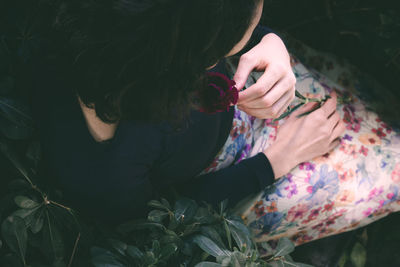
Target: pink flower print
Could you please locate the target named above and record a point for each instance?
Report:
(390, 196)
(396, 173)
(387, 128)
(352, 122)
(379, 132)
(367, 212)
(349, 149)
(297, 212)
(364, 150)
(328, 207)
(374, 193)
(313, 214)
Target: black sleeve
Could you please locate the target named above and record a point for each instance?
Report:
(234, 183)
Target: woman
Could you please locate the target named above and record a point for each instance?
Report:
(122, 115)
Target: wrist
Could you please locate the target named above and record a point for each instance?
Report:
(280, 163)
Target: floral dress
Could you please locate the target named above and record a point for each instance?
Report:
(353, 185)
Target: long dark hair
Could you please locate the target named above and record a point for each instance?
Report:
(143, 59)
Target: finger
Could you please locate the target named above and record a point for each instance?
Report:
(260, 88)
(333, 120)
(284, 107)
(257, 112)
(278, 95)
(245, 67)
(304, 109)
(334, 144)
(338, 130)
(329, 106)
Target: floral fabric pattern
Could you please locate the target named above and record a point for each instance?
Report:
(353, 185)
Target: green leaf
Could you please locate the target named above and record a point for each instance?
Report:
(191, 228)
(134, 252)
(238, 259)
(119, 246)
(25, 203)
(167, 251)
(104, 258)
(228, 234)
(208, 264)
(240, 233)
(185, 209)
(209, 246)
(157, 216)
(222, 206)
(299, 95)
(211, 233)
(52, 238)
(157, 204)
(284, 247)
(26, 214)
(358, 255)
(156, 248)
(139, 225)
(37, 223)
(16, 112)
(15, 235)
(165, 203)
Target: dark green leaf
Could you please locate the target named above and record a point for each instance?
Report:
(15, 235)
(25, 203)
(211, 233)
(165, 203)
(185, 209)
(156, 248)
(191, 228)
(15, 112)
(11, 260)
(208, 264)
(134, 252)
(238, 259)
(228, 234)
(52, 238)
(37, 224)
(157, 216)
(104, 258)
(118, 246)
(209, 246)
(284, 247)
(157, 204)
(358, 255)
(167, 251)
(139, 225)
(222, 206)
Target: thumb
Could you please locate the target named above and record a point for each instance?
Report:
(245, 67)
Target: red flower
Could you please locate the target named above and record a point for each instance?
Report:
(219, 94)
(379, 132)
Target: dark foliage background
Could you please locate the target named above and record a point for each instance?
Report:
(367, 33)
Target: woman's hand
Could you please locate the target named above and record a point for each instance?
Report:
(274, 91)
(302, 139)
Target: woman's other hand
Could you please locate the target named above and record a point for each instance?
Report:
(275, 89)
(303, 138)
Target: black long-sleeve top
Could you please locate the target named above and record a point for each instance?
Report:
(114, 180)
